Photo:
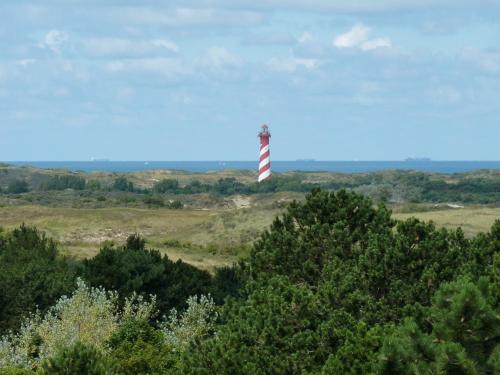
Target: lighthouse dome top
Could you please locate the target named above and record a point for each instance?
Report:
(264, 131)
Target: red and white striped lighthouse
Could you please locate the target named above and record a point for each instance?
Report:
(264, 160)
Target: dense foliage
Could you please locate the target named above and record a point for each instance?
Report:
(64, 182)
(335, 286)
(335, 283)
(32, 275)
(78, 359)
(134, 269)
(18, 186)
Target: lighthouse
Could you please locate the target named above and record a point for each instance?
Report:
(264, 160)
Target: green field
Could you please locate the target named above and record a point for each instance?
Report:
(202, 237)
(472, 219)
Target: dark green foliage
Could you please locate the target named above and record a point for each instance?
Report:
(464, 339)
(154, 201)
(310, 235)
(176, 205)
(133, 268)
(31, 275)
(94, 185)
(135, 242)
(227, 282)
(122, 184)
(18, 187)
(273, 332)
(166, 186)
(64, 182)
(78, 359)
(138, 348)
(329, 284)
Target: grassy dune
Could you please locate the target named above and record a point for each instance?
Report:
(472, 220)
(205, 238)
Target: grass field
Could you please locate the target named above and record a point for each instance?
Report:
(472, 220)
(205, 238)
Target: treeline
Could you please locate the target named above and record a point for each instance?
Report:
(335, 286)
(224, 186)
(392, 187)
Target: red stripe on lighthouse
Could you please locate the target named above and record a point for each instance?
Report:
(264, 155)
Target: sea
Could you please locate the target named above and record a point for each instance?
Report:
(278, 166)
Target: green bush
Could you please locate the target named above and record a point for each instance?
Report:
(154, 201)
(138, 348)
(122, 184)
(132, 268)
(78, 359)
(18, 187)
(464, 336)
(64, 182)
(166, 186)
(329, 285)
(32, 275)
(176, 205)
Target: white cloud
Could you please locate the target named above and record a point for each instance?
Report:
(25, 62)
(309, 47)
(376, 43)
(185, 17)
(292, 64)
(488, 61)
(358, 37)
(352, 6)
(117, 46)
(271, 38)
(53, 40)
(446, 95)
(167, 44)
(218, 57)
(353, 38)
(306, 37)
(167, 67)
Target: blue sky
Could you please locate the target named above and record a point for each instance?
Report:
(194, 79)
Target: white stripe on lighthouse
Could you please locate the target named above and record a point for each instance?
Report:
(264, 175)
(263, 163)
(264, 149)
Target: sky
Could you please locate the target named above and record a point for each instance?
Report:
(195, 79)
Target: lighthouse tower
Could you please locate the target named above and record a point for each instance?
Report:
(264, 160)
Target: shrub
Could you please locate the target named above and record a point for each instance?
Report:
(132, 268)
(138, 348)
(64, 182)
(32, 275)
(78, 359)
(166, 186)
(18, 187)
(176, 205)
(122, 184)
(90, 316)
